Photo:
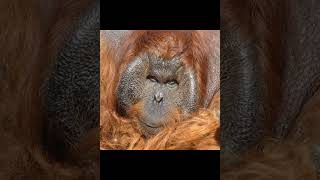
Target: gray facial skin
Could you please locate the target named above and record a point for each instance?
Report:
(72, 89)
(161, 85)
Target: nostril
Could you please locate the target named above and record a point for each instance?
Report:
(158, 97)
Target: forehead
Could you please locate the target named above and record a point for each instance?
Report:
(164, 67)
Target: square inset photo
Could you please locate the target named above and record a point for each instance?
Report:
(159, 89)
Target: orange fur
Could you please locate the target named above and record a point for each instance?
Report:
(200, 131)
(194, 45)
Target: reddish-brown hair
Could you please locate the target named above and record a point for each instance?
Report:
(193, 45)
(200, 131)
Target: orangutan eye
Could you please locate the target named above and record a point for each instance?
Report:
(172, 83)
(152, 78)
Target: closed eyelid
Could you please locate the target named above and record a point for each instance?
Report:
(152, 78)
(172, 82)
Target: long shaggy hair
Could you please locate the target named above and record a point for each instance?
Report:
(200, 131)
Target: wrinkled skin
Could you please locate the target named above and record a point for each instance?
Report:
(162, 86)
(245, 106)
(72, 89)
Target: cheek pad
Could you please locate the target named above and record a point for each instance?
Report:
(131, 85)
(188, 91)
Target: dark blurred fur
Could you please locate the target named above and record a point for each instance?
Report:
(270, 69)
(32, 36)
